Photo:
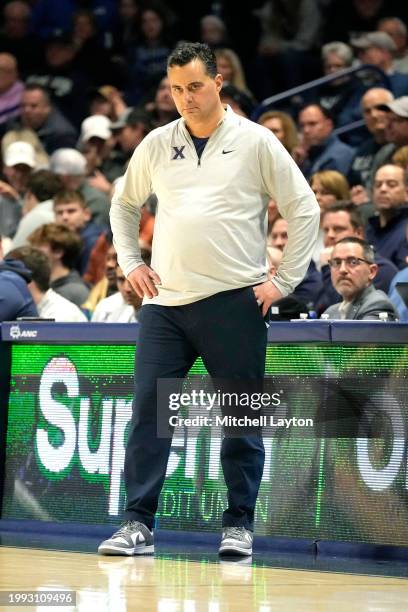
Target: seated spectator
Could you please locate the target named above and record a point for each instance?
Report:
(386, 231)
(63, 78)
(71, 210)
(62, 247)
(18, 39)
(397, 30)
(147, 61)
(38, 114)
(31, 138)
(38, 207)
(341, 97)
(96, 143)
(310, 287)
(121, 307)
(130, 129)
(329, 186)
(70, 165)
(19, 162)
(378, 49)
(162, 109)
(229, 65)
(376, 121)
(11, 89)
(15, 297)
(50, 305)
(352, 272)
(342, 220)
(283, 126)
(106, 286)
(322, 149)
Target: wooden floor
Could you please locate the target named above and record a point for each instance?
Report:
(147, 584)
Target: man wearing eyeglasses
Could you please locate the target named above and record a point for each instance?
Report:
(352, 272)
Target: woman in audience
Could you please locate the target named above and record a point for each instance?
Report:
(329, 186)
(229, 65)
(283, 126)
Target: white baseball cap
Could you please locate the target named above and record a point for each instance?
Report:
(69, 162)
(95, 126)
(19, 152)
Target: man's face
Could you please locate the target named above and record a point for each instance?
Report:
(128, 293)
(279, 234)
(374, 55)
(34, 108)
(195, 93)
(314, 125)
(72, 215)
(333, 63)
(350, 280)
(397, 130)
(375, 119)
(389, 189)
(336, 226)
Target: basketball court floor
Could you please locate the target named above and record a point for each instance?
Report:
(185, 578)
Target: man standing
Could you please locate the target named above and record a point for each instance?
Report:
(208, 289)
(352, 271)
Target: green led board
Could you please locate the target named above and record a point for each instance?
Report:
(70, 406)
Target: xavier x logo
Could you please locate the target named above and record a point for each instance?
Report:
(178, 152)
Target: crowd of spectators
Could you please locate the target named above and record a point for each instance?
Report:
(82, 82)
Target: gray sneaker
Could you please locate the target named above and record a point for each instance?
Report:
(236, 541)
(132, 538)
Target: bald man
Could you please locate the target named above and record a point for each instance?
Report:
(11, 89)
(376, 122)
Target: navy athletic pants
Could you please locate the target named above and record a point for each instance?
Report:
(228, 332)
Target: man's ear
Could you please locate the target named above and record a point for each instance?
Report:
(88, 213)
(373, 271)
(219, 80)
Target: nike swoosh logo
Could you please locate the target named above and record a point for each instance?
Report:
(225, 152)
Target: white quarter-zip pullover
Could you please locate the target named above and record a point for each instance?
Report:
(211, 221)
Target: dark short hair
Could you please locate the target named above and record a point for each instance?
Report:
(37, 87)
(36, 261)
(356, 219)
(44, 184)
(186, 52)
(325, 111)
(368, 250)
